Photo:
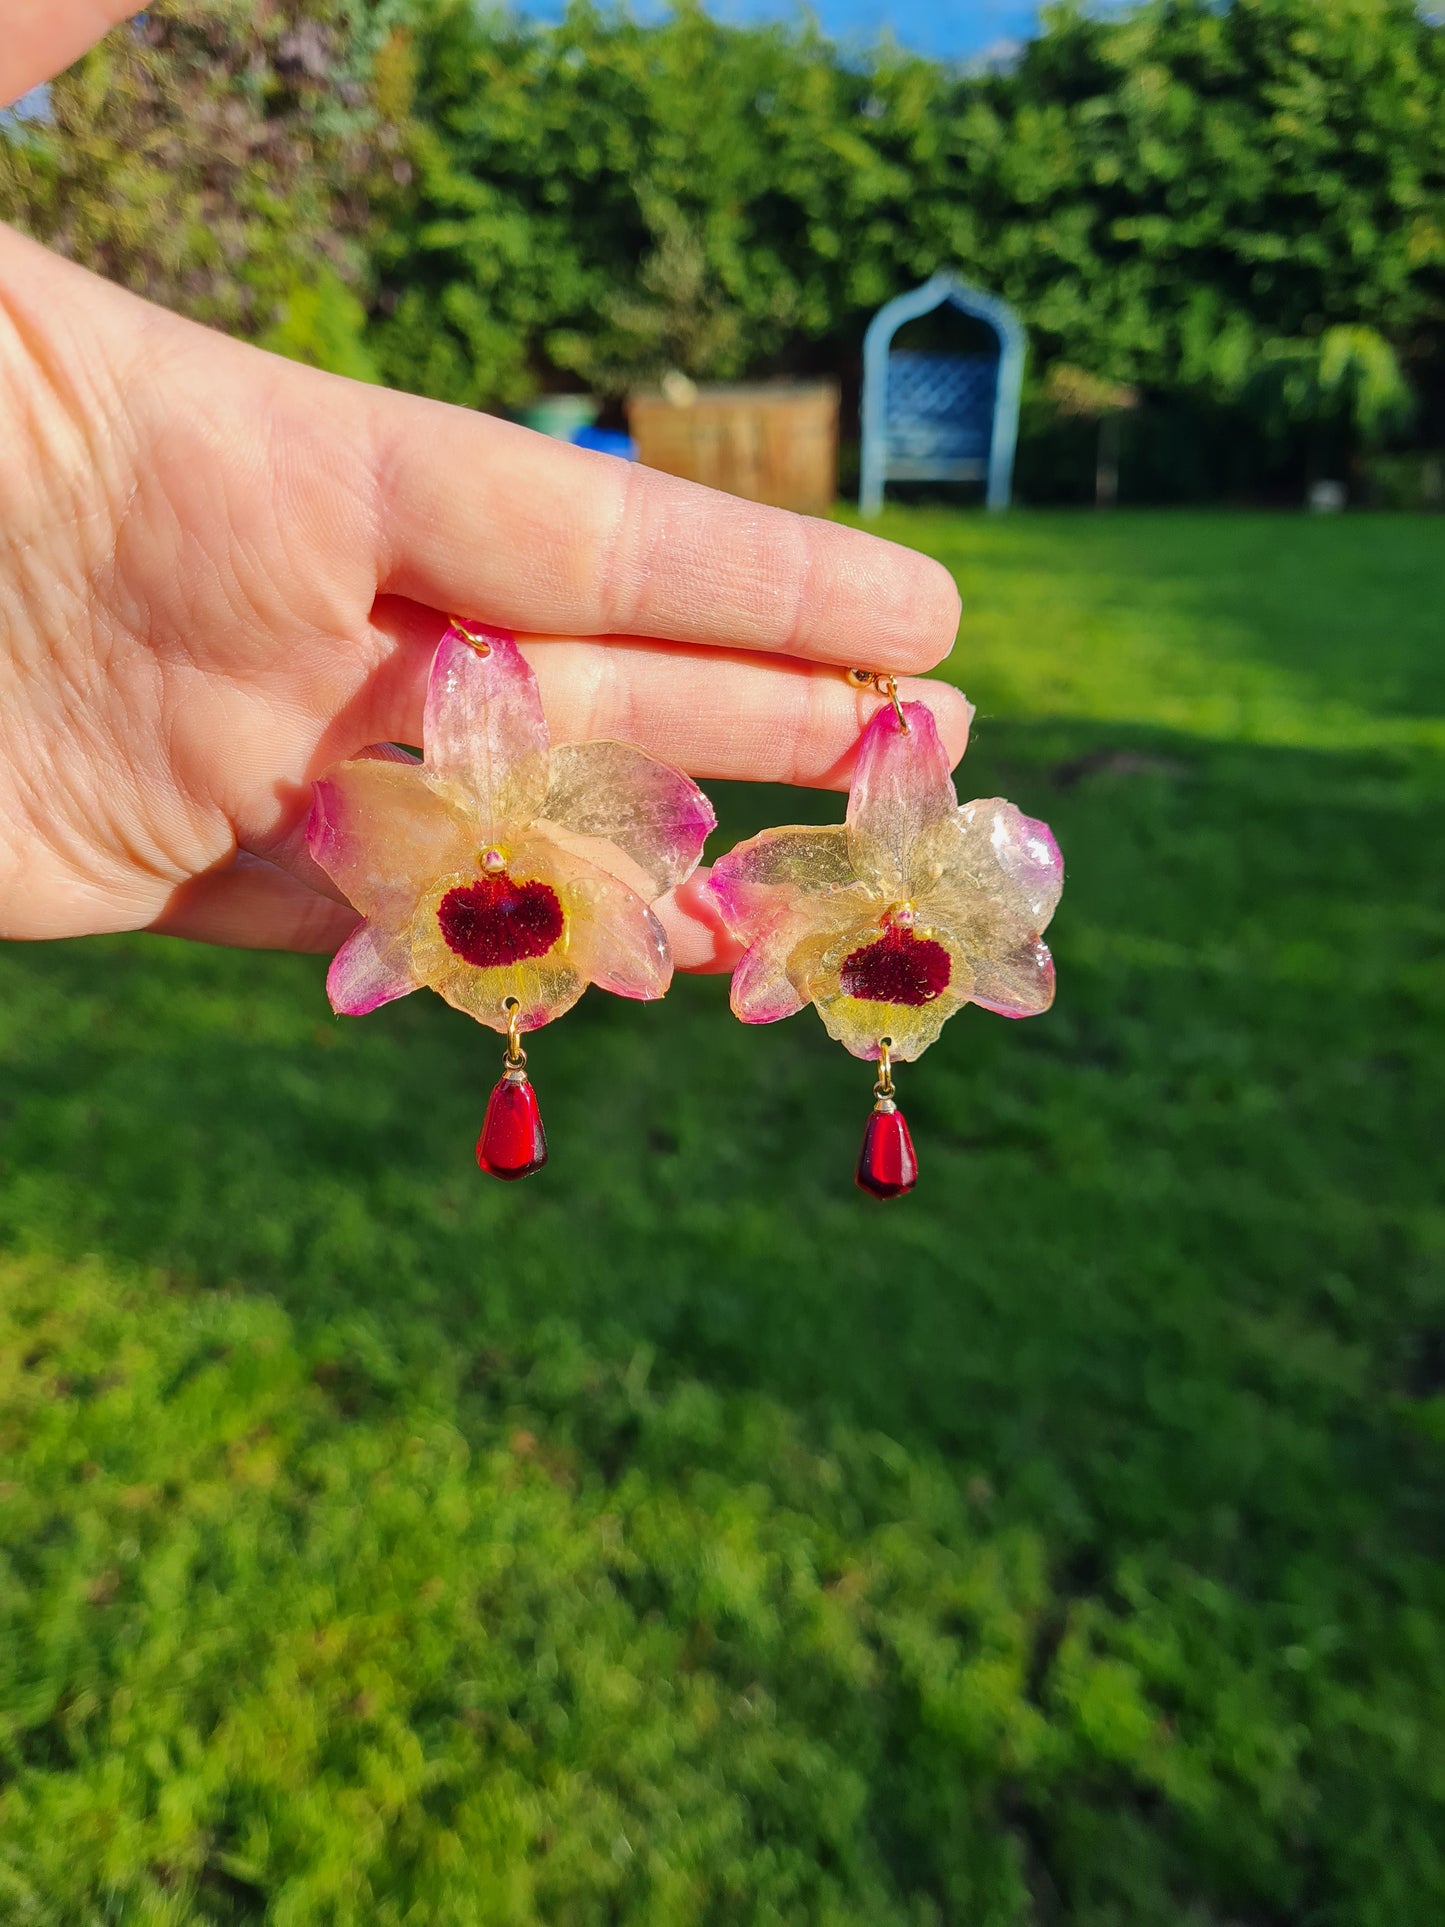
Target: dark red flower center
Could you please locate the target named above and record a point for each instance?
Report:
(496, 921)
(898, 968)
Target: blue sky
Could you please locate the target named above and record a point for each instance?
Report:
(942, 27)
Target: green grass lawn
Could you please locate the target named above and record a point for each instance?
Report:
(681, 1537)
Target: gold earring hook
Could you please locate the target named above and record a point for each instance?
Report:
(468, 634)
(884, 684)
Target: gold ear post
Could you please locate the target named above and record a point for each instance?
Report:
(885, 686)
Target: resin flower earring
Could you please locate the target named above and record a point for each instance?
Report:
(892, 921)
(502, 872)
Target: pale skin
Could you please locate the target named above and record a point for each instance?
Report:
(221, 573)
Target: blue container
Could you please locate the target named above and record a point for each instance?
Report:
(606, 441)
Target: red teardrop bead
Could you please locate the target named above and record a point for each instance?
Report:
(513, 1143)
(887, 1166)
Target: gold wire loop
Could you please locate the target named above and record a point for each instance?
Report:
(516, 1056)
(465, 630)
(884, 1086)
(884, 684)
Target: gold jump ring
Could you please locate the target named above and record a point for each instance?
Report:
(884, 1086)
(516, 1056)
(884, 684)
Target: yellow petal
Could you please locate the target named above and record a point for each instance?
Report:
(771, 875)
(654, 814)
(604, 933)
(821, 970)
(382, 831)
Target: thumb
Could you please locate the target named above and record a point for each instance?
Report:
(42, 37)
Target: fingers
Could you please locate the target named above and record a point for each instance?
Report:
(488, 519)
(42, 37)
(728, 716)
(712, 712)
(254, 906)
(695, 929)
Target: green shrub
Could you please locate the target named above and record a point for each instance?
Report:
(1174, 197)
(1192, 199)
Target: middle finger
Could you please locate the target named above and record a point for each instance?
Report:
(714, 713)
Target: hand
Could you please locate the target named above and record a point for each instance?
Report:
(43, 36)
(220, 572)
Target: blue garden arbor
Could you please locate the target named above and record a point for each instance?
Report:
(941, 417)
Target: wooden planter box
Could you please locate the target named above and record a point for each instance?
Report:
(777, 442)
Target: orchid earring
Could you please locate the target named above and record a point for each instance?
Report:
(502, 872)
(892, 921)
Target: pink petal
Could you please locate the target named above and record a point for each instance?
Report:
(1020, 984)
(771, 874)
(902, 804)
(383, 830)
(762, 991)
(617, 943)
(1025, 852)
(1014, 856)
(372, 968)
(616, 792)
(998, 891)
(483, 727)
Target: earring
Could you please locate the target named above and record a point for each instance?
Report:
(502, 871)
(890, 922)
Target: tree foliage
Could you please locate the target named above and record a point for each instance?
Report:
(1181, 197)
(1165, 193)
(1162, 195)
(218, 157)
(1346, 381)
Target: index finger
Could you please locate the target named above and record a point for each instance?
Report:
(492, 520)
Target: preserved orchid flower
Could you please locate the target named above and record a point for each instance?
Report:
(502, 872)
(892, 921)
